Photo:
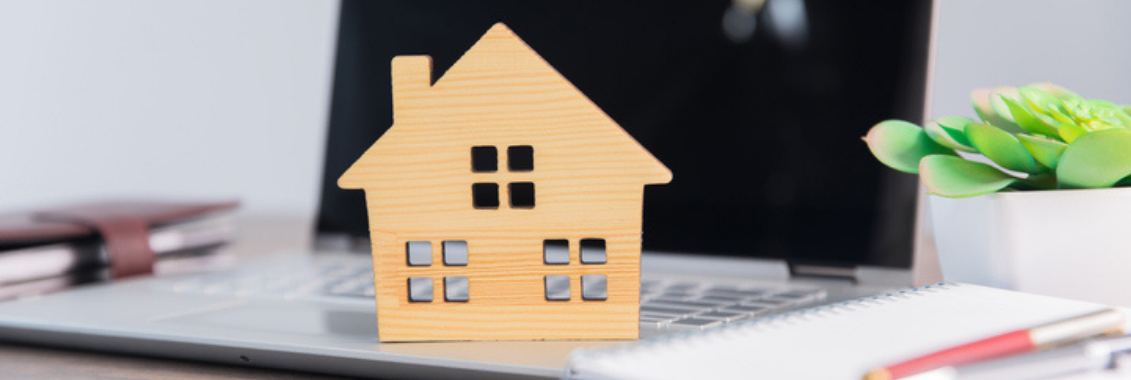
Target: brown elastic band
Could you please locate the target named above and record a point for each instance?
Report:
(127, 242)
(127, 239)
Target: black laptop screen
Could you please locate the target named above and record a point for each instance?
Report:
(761, 130)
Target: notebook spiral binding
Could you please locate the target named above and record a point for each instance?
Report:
(764, 323)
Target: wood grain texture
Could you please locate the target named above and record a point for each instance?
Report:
(589, 177)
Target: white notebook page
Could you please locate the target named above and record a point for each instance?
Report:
(838, 341)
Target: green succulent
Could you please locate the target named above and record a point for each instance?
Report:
(1037, 137)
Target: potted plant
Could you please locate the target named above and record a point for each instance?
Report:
(1028, 197)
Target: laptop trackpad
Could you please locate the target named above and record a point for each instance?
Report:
(288, 318)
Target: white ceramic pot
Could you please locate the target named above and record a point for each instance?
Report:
(1064, 243)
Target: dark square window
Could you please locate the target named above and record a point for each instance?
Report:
(484, 159)
(485, 195)
(522, 194)
(520, 158)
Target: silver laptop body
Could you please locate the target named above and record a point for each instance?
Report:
(310, 329)
(313, 310)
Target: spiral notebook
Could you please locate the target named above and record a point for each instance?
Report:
(837, 341)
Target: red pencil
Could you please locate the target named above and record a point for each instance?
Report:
(1086, 326)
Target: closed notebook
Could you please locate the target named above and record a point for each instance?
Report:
(838, 341)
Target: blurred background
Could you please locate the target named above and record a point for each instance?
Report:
(221, 99)
(181, 99)
(1015, 42)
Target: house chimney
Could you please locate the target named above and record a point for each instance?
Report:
(411, 74)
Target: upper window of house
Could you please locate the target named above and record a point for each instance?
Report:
(520, 158)
(484, 159)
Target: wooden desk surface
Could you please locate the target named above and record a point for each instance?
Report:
(257, 236)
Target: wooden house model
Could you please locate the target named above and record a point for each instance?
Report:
(503, 204)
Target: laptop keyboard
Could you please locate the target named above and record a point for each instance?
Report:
(697, 305)
(664, 304)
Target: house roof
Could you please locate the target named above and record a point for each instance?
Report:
(503, 74)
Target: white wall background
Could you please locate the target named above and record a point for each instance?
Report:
(197, 99)
(1084, 45)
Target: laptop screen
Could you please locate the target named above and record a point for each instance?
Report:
(758, 112)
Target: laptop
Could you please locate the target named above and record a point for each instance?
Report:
(775, 204)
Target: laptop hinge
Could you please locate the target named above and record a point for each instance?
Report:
(823, 271)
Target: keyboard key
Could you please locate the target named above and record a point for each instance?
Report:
(655, 321)
(684, 285)
(772, 301)
(707, 300)
(734, 293)
(646, 308)
(747, 308)
(676, 295)
(661, 298)
(656, 317)
(721, 300)
(725, 288)
(726, 316)
(695, 322)
(675, 305)
(689, 304)
(688, 310)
